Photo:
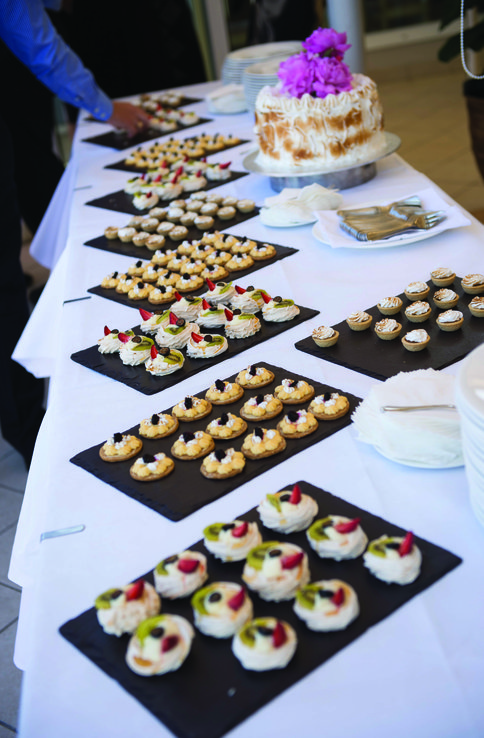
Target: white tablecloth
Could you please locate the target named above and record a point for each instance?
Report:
(420, 671)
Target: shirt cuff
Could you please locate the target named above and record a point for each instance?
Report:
(101, 107)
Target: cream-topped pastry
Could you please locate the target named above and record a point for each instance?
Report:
(150, 467)
(329, 406)
(446, 298)
(264, 644)
(121, 609)
(126, 234)
(278, 310)
(476, 307)
(231, 541)
(238, 262)
(163, 362)
(416, 340)
(327, 605)
(293, 391)
(263, 442)
(120, 447)
(297, 423)
(205, 346)
(211, 316)
(158, 426)
(337, 537)
(394, 559)
(359, 320)
(276, 570)
(151, 322)
(241, 325)
(387, 329)
(473, 283)
(220, 292)
(442, 277)
(192, 408)
(191, 446)
(418, 311)
(261, 407)
(145, 200)
(220, 609)
(187, 307)
(255, 376)
(389, 305)
(223, 392)
(451, 320)
(181, 574)
(176, 334)
(325, 336)
(249, 300)
(110, 281)
(160, 645)
(227, 426)
(417, 290)
(135, 350)
(109, 343)
(221, 464)
(287, 511)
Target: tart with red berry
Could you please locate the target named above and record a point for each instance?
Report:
(221, 609)
(264, 644)
(121, 609)
(181, 574)
(276, 570)
(160, 644)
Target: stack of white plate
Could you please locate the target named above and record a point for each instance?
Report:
(237, 61)
(470, 402)
(258, 76)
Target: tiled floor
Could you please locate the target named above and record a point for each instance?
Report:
(429, 115)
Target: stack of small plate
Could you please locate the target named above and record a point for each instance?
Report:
(258, 76)
(237, 61)
(470, 402)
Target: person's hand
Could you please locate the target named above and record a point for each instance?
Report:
(129, 117)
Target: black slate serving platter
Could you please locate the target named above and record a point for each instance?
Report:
(120, 140)
(281, 253)
(123, 167)
(211, 693)
(121, 202)
(139, 379)
(185, 490)
(364, 352)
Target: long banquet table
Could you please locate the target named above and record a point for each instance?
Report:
(420, 671)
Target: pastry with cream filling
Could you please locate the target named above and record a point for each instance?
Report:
(220, 609)
(150, 467)
(262, 443)
(222, 464)
(181, 574)
(297, 424)
(359, 320)
(327, 605)
(329, 406)
(120, 447)
(191, 446)
(388, 329)
(276, 570)
(389, 305)
(226, 427)
(337, 537)
(476, 307)
(223, 393)
(120, 610)
(254, 376)
(231, 541)
(288, 511)
(192, 408)
(261, 407)
(325, 336)
(264, 644)
(159, 425)
(417, 291)
(160, 645)
(442, 277)
(473, 284)
(450, 321)
(293, 391)
(445, 298)
(394, 559)
(416, 340)
(418, 311)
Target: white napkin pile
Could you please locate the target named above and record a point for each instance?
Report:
(295, 206)
(424, 438)
(227, 99)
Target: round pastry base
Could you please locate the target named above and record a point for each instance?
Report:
(341, 179)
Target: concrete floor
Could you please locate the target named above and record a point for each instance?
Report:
(429, 114)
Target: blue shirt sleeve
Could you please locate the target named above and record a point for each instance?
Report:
(28, 32)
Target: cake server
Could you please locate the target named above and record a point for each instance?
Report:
(410, 202)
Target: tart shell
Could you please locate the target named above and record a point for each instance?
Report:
(123, 457)
(153, 477)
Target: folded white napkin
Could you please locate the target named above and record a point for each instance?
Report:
(424, 438)
(331, 233)
(227, 99)
(296, 206)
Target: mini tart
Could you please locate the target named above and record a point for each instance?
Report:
(137, 269)
(221, 609)
(445, 298)
(162, 295)
(264, 644)
(150, 274)
(231, 541)
(262, 443)
(254, 376)
(226, 427)
(416, 340)
(276, 570)
(223, 464)
(168, 279)
(263, 251)
(359, 320)
(192, 408)
(325, 336)
(288, 511)
(192, 266)
(417, 291)
(150, 467)
(238, 262)
(297, 424)
(215, 272)
(442, 277)
(294, 392)
(245, 206)
(126, 234)
(160, 645)
(181, 574)
(336, 537)
(278, 310)
(450, 321)
(476, 307)
(120, 448)
(110, 282)
(121, 609)
(393, 559)
(261, 407)
(192, 446)
(418, 311)
(390, 305)
(327, 605)
(217, 257)
(159, 425)
(223, 392)
(388, 329)
(126, 283)
(329, 406)
(140, 291)
(111, 232)
(473, 284)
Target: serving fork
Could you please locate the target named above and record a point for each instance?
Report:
(409, 204)
(385, 226)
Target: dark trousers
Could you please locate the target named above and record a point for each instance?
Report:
(21, 394)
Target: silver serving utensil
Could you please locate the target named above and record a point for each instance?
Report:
(410, 202)
(421, 221)
(409, 408)
(62, 532)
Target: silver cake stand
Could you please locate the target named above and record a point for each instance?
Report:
(339, 178)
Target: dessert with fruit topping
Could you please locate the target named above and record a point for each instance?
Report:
(265, 643)
(288, 511)
(231, 541)
(226, 427)
(159, 425)
(329, 406)
(278, 310)
(121, 609)
(241, 325)
(255, 376)
(394, 559)
(191, 446)
(120, 447)
(164, 361)
(220, 292)
(327, 605)
(248, 300)
(263, 442)
(220, 609)
(181, 574)
(206, 345)
(297, 424)
(150, 467)
(176, 334)
(337, 537)
(160, 644)
(109, 343)
(135, 350)
(293, 391)
(261, 407)
(223, 393)
(192, 408)
(276, 570)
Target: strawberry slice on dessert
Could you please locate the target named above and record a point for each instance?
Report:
(107, 331)
(291, 561)
(239, 290)
(205, 305)
(279, 636)
(196, 337)
(188, 566)
(295, 497)
(153, 352)
(241, 530)
(169, 643)
(145, 314)
(135, 591)
(348, 527)
(236, 602)
(210, 285)
(173, 318)
(339, 597)
(267, 298)
(123, 337)
(228, 314)
(406, 545)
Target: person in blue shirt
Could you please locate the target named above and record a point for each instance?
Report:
(26, 29)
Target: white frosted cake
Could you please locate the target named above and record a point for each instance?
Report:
(312, 133)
